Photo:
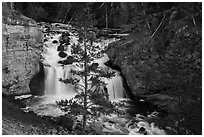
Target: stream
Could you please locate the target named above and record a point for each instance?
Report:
(132, 122)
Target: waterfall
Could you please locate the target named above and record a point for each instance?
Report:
(57, 88)
(49, 80)
(115, 87)
(115, 84)
(54, 71)
(53, 86)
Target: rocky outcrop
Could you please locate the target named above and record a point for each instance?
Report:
(21, 48)
(161, 82)
(169, 77)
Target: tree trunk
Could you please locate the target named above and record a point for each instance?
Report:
(11, 4)
(106, 17)
(86, 83)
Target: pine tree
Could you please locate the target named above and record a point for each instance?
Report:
(92, 97)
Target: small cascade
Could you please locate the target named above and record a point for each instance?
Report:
(115, 87)
(53, 86)
(49, 80)
(55, 53)
(55, 71)
(115, 84)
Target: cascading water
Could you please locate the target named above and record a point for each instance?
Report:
(49, 80)
(114, 85)
(56, 90)
(55, 71)
(55, 87)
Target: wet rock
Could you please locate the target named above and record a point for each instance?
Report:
(62, 54)
(47, 29)
(68, 61)
(54, 41)
(142, 130)
(60, 48)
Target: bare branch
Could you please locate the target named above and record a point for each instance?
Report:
(71, 18)
(156, 30)
(102, 5)
(66, 15)
(194, 22)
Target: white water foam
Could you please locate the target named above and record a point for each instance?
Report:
(122, 125)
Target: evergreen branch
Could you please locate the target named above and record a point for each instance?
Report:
(79, 89)
(81, 76)
(91, 104)
(83, 80)
(79, 96)
(80, 85)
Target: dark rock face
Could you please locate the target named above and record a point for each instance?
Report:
(60, 48)
(37, 85)
(122, 54)
(69, 60)
(54, 41)
(21, 50)
(145, 76)
(62, 54)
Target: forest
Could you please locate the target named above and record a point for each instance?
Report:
(105, 68)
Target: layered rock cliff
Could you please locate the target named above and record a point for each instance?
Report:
(21, 47)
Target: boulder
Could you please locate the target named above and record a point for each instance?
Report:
(62, 54)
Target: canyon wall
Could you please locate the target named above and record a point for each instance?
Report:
(21, 48)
